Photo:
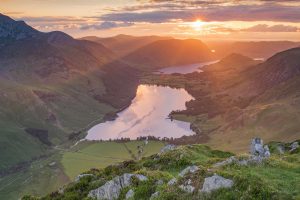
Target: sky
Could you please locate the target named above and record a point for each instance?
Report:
(201, 19)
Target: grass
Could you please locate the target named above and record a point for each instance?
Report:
(40, 178)
(101, 154)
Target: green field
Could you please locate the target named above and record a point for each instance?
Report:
(89, 155)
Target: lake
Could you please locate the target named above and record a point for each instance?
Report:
(185, 69)
(147, 115)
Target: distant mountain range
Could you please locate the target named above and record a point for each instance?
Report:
(172, 52)
(125, 44)
(254, 49)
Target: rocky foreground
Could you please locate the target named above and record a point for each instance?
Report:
(194, 172)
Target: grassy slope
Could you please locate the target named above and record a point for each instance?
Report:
(276, 178)
(73, 109)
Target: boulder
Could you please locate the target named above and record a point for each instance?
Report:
(257, 147)
(189, 169)
(111, 189)
(167, 148)
(173, 181)
(294, 146)
(129, 194)
(216, 182)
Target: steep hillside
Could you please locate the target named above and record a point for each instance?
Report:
(52, 88)
(125, 44)
(171, 52)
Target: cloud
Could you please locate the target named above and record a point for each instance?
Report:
(275, 28)
(207, 11)
(50, 19)
(106, 25)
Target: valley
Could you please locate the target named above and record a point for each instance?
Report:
(57, 91)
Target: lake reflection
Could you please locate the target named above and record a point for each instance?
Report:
(147, 115)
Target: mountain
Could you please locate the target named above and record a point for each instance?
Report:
(11, 29)
(239, 98)
(51, 88)
(125, 44)
(259, 49)
(172, 52)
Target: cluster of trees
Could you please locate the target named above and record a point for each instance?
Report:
(141, 138)
(120, 140)
(153, 138)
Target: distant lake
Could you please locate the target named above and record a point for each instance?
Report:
(185, 69)
(147, 115)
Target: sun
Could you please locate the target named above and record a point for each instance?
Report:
(197, 25)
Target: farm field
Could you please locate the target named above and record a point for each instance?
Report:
(89, 155)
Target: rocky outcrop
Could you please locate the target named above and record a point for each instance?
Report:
(216, 182)
(189, 169)
(111, 189)
(255, 160)
(259, 149)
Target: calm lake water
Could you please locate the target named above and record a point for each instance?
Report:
(185, 69)
(147, 115)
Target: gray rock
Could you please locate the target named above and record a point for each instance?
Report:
(167, 148)
(154, 195)
(190, 169)
(111, 189)
(81, 176)
(187, 188)
(267, 153)
(257, 147)
(215, 182)
(246, 161)
(173, 181)
(129, 194)
(294, 146)
(228, 161)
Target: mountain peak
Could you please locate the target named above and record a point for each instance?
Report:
(17, 30)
